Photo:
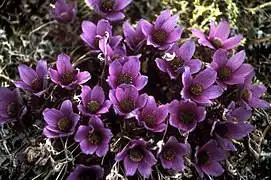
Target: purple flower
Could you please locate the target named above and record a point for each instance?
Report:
(126, 100)
(185, 115)
(64, 12)
(117, 53)
(218, 36)
(34, 81)
(237, 114)
(11, 105)
(60, 123)
(250, 94)
(94, 138)
(93, 101)
(66, 75)
(136, 156)
(207, 159)
(110, 9)
(126, 73)
(230, 71)
(200, 88)
(178, 58)
(94, 172)
(134, 37)
(99, 36)
(171, 154)
(224, 132)
(163, 33)
(153, 117)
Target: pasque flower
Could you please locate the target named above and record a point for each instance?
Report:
(135, 157)
(237, 114)
(153, 117)
(126, 100)
(230, 71)
(60, 123)
(218, 36)
(185, 115)
(93, 101)
(171, 154)
(64, 12)
(66, 75)
(207, 159)
(94, 172)
(117, 53)
(164, 32)
(110, 9)
(126, 73)
(224, 132)
(11, 105)
(34, 81)
(250, 94)
(176, 58)
(93, 138)
(99, 36)
(200, 88)
(134, 37)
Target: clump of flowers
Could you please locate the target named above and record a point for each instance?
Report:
(121, 117)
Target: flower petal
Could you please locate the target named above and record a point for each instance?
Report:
(41, 69)
(220, 57)
(222, 30)
(81, 133)
(97, 94)
(121, 4)
(63, 64)
(236, 61)
(187, 50)
(162, 18)
(174, 35)
(213, 168)
(130, 167)
(194, 65)
(27, 74)
(66, 108)
(83, 77)
(206, 77)
(232, 42)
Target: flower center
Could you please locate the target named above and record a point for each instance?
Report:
(176, 63)
(203, 157)
(93, 106)
(115, 56)
(36, 84)
(246, 95)
(216, 43)
(12, 109)
(196, 89)
(127, 105)
(224, 73)
(160, 36)
(107, 5)
(187, 117)
(221, 130)
(149, 120)
(169, 154)
(136, 155)
(125, 79)
(64, 15)
(67, 78)
(64, 124)
(94, 138)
